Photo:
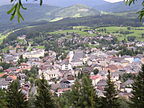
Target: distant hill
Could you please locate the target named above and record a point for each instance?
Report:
(66, 3)
(119, 7)
(35, 12)
(75, 11)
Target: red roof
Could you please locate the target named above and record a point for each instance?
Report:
(2, 74)
(13, 77)
(94, 77)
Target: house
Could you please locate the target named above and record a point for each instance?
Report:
(77, 59)
(50, 74)
(128, 58)
(112, 68)
(34, 54)
(101, 84)
(21, 37)
(1, 68)
(24, 66)
(65, 65)
(127, 86)
(4, 83)
(10, 58)
(95, 79)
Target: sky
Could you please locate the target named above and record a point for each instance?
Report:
(112, 1)
(2, 2)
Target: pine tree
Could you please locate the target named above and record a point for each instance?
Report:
(110, 100)
(15, 97)
(43, 97)
(89, 98)
(76, 94)
(137, 98)
(2, 98)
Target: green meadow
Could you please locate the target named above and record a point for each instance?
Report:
(134, 31)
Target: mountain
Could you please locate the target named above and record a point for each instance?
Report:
(119, 7)
(35, 12)
(65, 3)
(77, 10)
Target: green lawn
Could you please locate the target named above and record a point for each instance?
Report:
(82, 33)
(39, 47)
(136, 33)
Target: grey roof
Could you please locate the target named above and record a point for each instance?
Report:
(127, 82)
(78, 55)
(3, 82)
(102, 83)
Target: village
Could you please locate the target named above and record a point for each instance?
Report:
(62, 73)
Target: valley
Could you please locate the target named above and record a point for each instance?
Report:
(73, 54)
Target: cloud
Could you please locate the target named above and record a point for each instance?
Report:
(112, 1)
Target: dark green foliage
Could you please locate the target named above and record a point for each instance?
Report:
(131, 38)
(22, 60)
(2, 98)
(43, 98)
(126, 51)
(82, 95)
(64, 100)
(15, 97)
(141, 12)
(96, 71)
(31, 74)
(127, 76)
(5, 65)
(137, 99)
(124, 103)
(76, 95)
(110, 100)
(89, 98)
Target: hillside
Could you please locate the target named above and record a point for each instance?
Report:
(35, 12)
(77, 10)
(119, 7)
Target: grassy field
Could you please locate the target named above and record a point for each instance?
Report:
(82, 33)
(2, 37)
(135, 31)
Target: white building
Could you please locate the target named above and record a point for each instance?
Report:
(50, 74)
(34, 54)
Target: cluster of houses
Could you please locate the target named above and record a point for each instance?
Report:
(61, 74)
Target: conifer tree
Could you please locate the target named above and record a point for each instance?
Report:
(137, 99)
(15, 97)
(110, 100)
(76, 94)
(89, 99)
(43, 97)
(2, 98)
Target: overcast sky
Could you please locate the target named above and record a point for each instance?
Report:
(2, 2)
(113, 0)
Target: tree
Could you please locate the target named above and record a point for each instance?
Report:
(141, 12)
(76, 94)
(82, 95)
(15, 97)
(64, 101)
(96, 71)
(15, 10)
(110, 100)
(43, 97)
(137, 99)
(2, 98)
(89, 98)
